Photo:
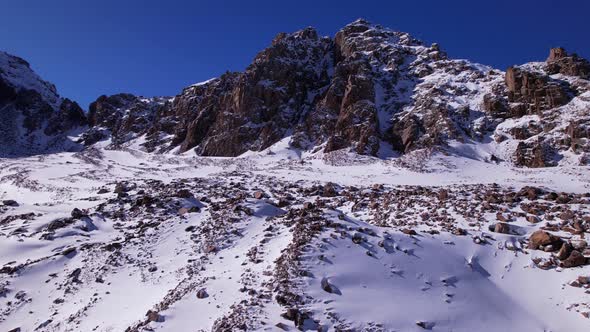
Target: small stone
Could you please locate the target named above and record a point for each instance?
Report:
(377, 186)
(121, 188)
(563, 198)
(202, 293)
(501, 217)
(329, 190)
(210, 248)
(326, 285)
(409, 231)
(290, 314)
(422, 324)
(153, 316)
(10, 202)
(78, 214)
(502, 228)
(68, 251)
(184, 193)
(357, 238)
(584, 280)
(460, 231)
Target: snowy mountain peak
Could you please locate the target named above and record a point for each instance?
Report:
(35, 119)
(17, 73)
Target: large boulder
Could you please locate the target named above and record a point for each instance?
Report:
(575, 259)
(542, 238)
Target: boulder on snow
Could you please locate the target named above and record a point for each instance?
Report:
(78, 214)
(202, 293)
(326, 286)
(574, 259)
(10, 202)
(564, 251)
(184, 193)
(502, 228)
(153, 316)
(542, 238)
(329, 190)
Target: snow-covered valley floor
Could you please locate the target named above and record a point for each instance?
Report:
(106, 240)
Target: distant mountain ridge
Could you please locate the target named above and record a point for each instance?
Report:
(369, 89)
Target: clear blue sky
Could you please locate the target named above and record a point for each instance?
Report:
(147, 47)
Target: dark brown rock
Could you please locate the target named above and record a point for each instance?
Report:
(153, 316)
(329, 190)
(574, 259)
(564, 252)
(502, 228)
(533, 155)
(559, 61)
(308, 206)
(409, 231)
(10, 202)
(542, 238)
(535, 91)
(78, 214)
(184, 193)
(202, 293)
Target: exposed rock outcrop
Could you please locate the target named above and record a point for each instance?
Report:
(559, 61)
(534, 92)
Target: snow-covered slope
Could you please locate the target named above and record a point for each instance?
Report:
(364, 182)
(109, 240)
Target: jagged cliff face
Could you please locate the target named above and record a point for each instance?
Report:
(370, 90)
(546, 111)
(358, 90)
(34, 117)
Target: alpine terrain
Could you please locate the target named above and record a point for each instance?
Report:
(360, 182)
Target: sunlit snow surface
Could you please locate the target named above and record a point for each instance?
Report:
(446, 281)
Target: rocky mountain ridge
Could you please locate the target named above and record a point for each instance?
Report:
(35, 118)
(370, 90)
